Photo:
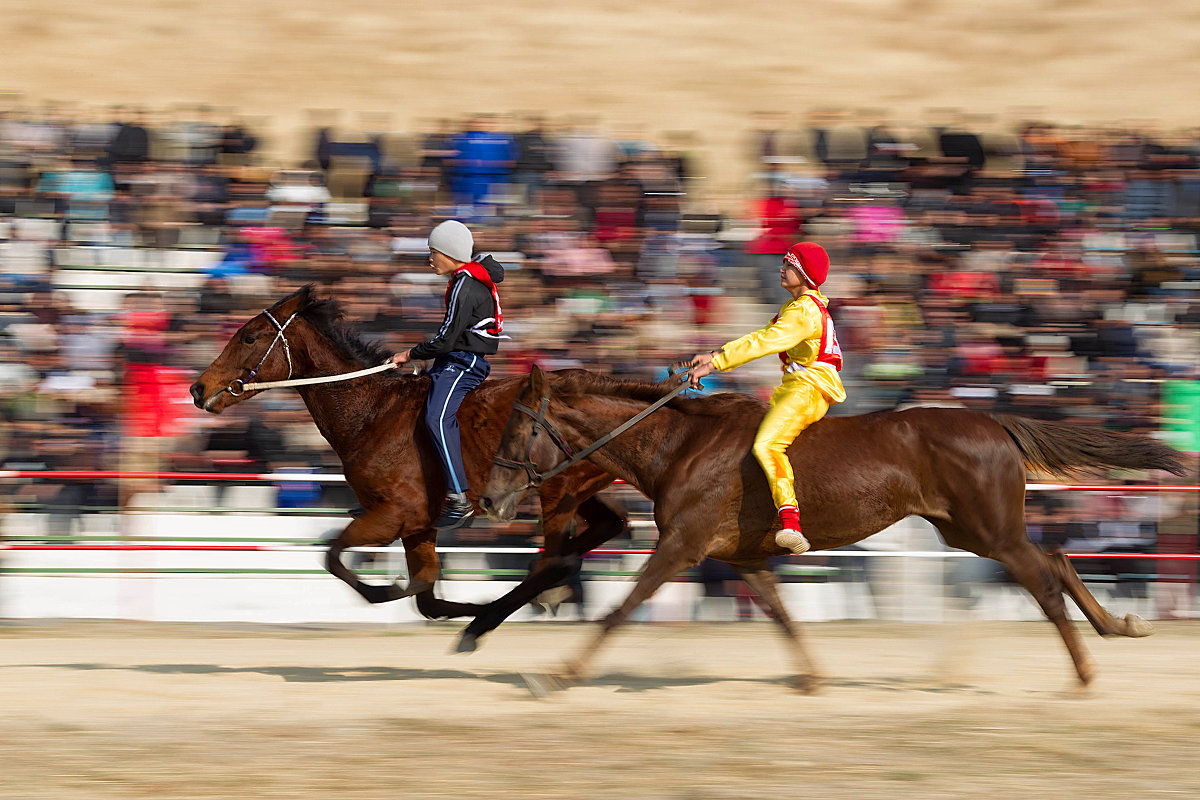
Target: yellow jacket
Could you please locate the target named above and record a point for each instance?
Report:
(797, 333)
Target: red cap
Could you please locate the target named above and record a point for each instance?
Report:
(812, 261)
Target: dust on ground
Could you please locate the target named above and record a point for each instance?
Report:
(129, 710)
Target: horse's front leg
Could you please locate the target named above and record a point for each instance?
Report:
(363, 532)
(424, 569)
(672, 556)
(556, 564)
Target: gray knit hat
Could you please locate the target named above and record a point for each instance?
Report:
(452, 238)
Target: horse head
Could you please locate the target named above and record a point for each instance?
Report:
(259, 351)
(530, 447)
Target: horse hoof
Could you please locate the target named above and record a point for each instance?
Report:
(415, 587)
(806, 684)
(467, 643)
(541, 686)
(385, 594)
(1137, 627)
(376, 594)
(1087, 674)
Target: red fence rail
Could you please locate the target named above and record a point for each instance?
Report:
(335, 477)
(277, 477)
(598, 551)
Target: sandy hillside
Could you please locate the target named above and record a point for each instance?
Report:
(651, 67)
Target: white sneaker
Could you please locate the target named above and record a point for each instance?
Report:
(793, 540)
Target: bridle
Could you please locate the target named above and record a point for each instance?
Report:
(241, 383)
(239, 386)
(539, 423)
(535, 478)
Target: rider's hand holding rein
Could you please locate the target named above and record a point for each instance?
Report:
(803, 338)
(701, 365)
(470, 332)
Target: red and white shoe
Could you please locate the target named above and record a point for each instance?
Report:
(789, 536)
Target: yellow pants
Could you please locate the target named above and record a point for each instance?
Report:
(794, 406)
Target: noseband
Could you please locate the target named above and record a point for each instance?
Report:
(240, 383)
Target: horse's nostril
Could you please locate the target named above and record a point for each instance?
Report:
(485, 503)
(197, 392)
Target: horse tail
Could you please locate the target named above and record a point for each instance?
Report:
(1063, 449)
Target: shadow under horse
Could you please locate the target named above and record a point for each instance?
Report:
(964, 471)
(375, 425)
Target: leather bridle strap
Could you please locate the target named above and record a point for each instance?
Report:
(244, 383)
(539, 420)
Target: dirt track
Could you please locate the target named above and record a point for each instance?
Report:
(128, 710)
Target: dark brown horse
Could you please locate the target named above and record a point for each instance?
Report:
(374, 424)
(963, 471)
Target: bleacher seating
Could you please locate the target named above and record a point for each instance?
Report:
(250, 497)
(97, 277)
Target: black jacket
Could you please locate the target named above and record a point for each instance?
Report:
(470, 302)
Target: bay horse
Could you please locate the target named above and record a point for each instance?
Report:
(374, 425)
(964, 471)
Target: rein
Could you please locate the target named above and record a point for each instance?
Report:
(342, 376)
(539, 421)
(247, 384)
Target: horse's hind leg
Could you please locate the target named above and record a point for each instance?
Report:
(762, 581)
(1030, 567)
(1104, 622)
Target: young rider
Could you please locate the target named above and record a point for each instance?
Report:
(802, 335)
(469, 332)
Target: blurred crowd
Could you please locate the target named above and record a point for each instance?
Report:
(1046, 270)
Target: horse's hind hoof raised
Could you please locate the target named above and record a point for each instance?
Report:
(1137, 627)
(467, 643)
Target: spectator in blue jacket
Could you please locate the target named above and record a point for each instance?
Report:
(483, 162)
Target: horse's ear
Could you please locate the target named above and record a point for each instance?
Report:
(294, 302)
(538, 381)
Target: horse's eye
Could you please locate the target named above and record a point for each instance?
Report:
(248, 338)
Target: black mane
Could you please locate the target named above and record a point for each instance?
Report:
(327, 316)
(582, 381)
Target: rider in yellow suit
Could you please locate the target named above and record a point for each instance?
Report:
(803, 337)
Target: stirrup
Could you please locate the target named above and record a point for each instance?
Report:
(792, 540)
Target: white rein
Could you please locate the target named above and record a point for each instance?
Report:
(344, 376)
(287, 350)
